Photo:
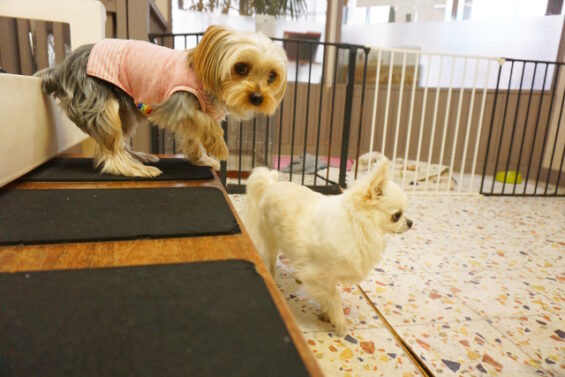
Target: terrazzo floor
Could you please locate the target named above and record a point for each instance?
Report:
(476, 288)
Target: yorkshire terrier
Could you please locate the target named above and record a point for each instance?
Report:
(107, 88)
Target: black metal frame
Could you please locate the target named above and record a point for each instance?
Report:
(327, 186)
(509, 127)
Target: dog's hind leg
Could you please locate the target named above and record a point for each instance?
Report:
(270, 252)
(111, 155)
(272, 261)
(131, 118)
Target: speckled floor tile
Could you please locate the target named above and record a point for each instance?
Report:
(238, 202)
(363, 353)
(483, 254)
(542, 338)
(505, 293)
(517, 253)
(414, 298)
(472, 348)
(447, 255)
(542, 218)
(500, 259)
(463, 233)
(396, 259)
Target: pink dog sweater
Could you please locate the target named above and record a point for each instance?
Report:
(147, 72)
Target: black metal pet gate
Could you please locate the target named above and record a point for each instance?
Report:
(322, 118)
(526, 137)
(313, 123)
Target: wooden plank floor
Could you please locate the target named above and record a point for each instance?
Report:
(148, 252)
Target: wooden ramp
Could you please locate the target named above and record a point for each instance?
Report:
(95, 264)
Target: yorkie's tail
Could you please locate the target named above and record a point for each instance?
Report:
(49, 80)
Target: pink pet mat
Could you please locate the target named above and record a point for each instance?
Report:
(285, 161)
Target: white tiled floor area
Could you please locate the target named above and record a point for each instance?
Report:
(476, 288)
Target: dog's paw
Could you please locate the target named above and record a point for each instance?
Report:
(340, 326)
(323, 316)
(149, 171)
(341, 329)
(127, 168)
(208, 161)
(221, 151)
(213, 163)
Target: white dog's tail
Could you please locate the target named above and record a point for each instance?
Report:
(258, 180)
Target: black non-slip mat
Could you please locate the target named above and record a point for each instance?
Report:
(48, 216)
(63, 169)
(196, 319)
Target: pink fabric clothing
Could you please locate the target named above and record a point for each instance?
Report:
(147, 72)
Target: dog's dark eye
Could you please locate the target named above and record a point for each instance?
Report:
(396, 216)
(272, 77)
(241, 69)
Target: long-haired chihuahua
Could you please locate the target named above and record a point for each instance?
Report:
(329, 240)
(107, 88)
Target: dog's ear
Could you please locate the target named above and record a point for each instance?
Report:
(282, 88)
(379, 179)
(212, 31)
(209, 56)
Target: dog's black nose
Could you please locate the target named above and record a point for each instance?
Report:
(409, 223)
(256, 98)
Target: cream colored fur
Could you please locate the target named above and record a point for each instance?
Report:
(329, 240)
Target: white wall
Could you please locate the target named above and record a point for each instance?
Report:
(523, 38)
(191, 22)
(32, 128)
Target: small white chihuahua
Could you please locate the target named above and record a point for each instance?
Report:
(329, 240)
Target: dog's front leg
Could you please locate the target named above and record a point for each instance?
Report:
(195, 153)
(141, 156)
(203, 135)
(330, 304)
(335, 313)
(198, 133)
(212, 137)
